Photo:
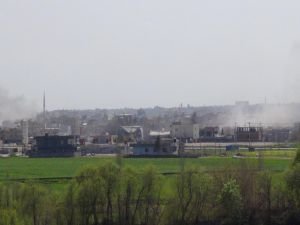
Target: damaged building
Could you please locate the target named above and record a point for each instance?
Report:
(247, 134)
(160, 144)
(131, 134)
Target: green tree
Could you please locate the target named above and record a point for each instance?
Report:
(127, 195)
(297, 157)
(109, 174)
(90, 196)
(231, 203)
(293, 186)
(190, 202)
(9, 216)
(35, 205)
(265, 196)
(70, 205)
(293, 179)
(147, 208)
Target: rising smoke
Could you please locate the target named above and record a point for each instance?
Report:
(15, 107)
(286, 111)
(275, 115)
(292, 75)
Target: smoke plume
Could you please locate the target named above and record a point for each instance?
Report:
(277, 115)
(15, 107)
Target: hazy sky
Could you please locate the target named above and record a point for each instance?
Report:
(136, 53)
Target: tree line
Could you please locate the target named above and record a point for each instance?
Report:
(111, 194)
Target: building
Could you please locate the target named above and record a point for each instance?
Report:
(213, 134)
(125, 119)
(144, 149)
(76, 127)
(295, 134)
(131, 133)
(277, 134)
(182, 130)
(101, 139)
(94, 149)
(53, 146)
(161, 145)
(7, 150)
(196, 132)
(52, 131)
(166, 134)
(25, 135)
(11, 136)
(208, 133)
(249, 134)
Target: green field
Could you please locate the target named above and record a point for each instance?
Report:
(55, 173)
(273, 153)
(19, 168)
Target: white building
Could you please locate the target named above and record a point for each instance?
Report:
(185, 131)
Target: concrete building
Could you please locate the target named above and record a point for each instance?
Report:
(277, 134)
(209, 132)
(94, 149)
(196, 131)
(249, 134)
(131, 133)
(11, 136)
(166, 134)
(101, 139)
(161, 143)
(25, 135)
(164, 149)
(76, 127)
(182, 131)
(213, 133)
(158, 147)
(53, 146)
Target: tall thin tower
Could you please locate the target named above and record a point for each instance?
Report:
(44, 110)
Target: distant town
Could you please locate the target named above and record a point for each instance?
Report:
(180, 131)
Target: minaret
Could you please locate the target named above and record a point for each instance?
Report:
(44, 110)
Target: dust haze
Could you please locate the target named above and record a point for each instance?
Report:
(15, 107)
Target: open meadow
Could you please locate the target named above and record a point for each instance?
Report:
(55, 173)
(28, 168)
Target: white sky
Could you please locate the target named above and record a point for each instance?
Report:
(137, 53)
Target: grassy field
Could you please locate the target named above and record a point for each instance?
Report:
(17, 168)
(273, 153)
(55, 173)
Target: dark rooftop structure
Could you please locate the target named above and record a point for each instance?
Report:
(54, 146)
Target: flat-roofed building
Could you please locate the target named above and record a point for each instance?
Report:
(249, 134)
